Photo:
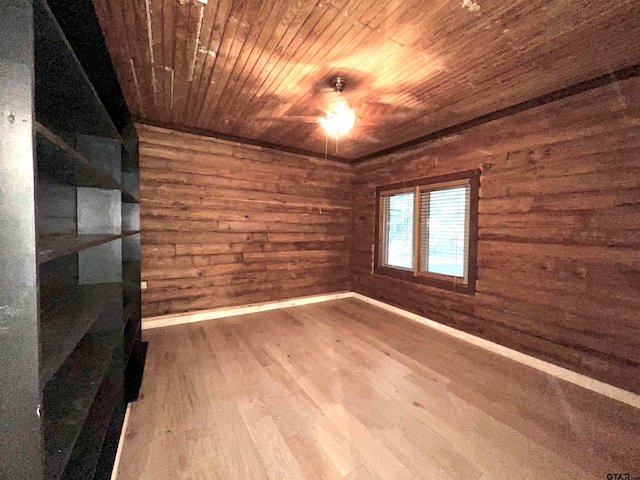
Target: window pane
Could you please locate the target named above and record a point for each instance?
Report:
(446, 250)
(399, 230)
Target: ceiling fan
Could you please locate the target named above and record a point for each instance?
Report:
(340, 117)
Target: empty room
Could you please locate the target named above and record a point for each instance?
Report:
(319, 239)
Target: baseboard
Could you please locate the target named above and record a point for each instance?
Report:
(116, 463)
(201, 316)
(579, 379)
(597, 386)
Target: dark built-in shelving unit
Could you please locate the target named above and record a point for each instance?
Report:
(70, 333)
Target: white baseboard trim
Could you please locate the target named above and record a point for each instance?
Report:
(579, 379)
(597, 386)
(201, 316)
(116, 463)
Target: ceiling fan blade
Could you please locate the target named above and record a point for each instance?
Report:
(327, 98)
(368, 139)
(376, 113)
(361, 135)
(288, 118)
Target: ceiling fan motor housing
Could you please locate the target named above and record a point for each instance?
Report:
(338, 83)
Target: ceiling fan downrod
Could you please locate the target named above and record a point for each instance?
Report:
(338, 83)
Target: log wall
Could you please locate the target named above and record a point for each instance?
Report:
(559, 232)
(226, 224)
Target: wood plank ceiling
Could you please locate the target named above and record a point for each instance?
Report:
(248, 68)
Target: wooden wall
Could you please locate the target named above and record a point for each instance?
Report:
(226, 224)
(559, 232)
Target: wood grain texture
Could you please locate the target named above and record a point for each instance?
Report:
(559, 232)
(243, 68)
(344, 390)
(225, 224)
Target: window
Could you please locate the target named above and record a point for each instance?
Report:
(427, 231)
(398, 230)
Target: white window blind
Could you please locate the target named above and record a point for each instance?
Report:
(427, 231)
(444, 236)
(397, 235)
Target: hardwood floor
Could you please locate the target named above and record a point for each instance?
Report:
(344, 390)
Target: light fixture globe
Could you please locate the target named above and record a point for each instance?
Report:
(339, 120)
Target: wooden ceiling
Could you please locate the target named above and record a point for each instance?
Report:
(247, 68)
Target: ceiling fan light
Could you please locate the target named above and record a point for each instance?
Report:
(338, 122)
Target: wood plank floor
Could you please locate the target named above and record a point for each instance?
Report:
(344, 390)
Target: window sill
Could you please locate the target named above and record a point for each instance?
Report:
(409, 276)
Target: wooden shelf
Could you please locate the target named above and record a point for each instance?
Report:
(70, 395)
(109, 450)
(88, 448)
(132, 327)
(134, 371)
(131, 275)
(58, 160)
(63, 326)
(130, 157)
(130, 186)
(50, 248)
(65, 99)
(129, 197)
(131, 233)
(125, 157)
(64, 354)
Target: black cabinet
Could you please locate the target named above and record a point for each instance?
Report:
(71, 354)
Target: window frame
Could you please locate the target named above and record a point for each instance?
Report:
(446, 282)
(398, 191)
